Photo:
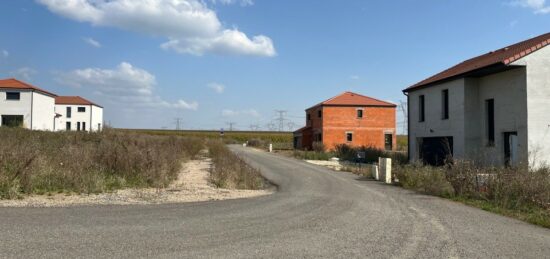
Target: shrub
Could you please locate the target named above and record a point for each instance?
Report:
(43, 162)
(230, 171)
(318, 146)
(427, 180)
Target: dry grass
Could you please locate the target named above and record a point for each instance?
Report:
(232, 172)
(517, 192)
(33, 162)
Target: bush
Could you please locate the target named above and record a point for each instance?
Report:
(230, 171)
(348, 153)
(44, 162)
(516, 191)
(311, 155)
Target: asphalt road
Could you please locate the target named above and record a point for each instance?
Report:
(315, 213)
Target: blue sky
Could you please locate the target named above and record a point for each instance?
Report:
(216, 61)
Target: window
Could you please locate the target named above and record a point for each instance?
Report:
(12, 120)
(490, 116)
(67, 125)
(78, 126)
(308, 116)
(388, 141)
(81, 109)
(445, 104)
(349, 136)
(319, 137)
(69, 112)
(319, 113)
(14, 96)
(359, 113)
(421, 108)
(84, 126)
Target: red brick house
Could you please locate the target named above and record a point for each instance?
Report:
(349, 118)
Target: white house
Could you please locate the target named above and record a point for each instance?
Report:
(77, 113)
(494, 108)
(25, 105)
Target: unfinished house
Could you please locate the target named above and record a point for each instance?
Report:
(493, 108)
(349, 118)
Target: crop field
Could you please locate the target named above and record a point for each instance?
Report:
(274, 137)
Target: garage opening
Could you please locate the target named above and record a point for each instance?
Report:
(436, 151)
(12, 120)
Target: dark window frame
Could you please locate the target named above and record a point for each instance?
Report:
(421, 108)
(320, 113)
(445, 104)
(490, 121)
(69, 111)
(13, 94)
(349, 136)
(81, 109)
(68, 125)
(360, 113)
(308, 116)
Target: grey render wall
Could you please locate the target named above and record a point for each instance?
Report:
(538, 105)
(508, 89)
(467, 115)
(434, 125)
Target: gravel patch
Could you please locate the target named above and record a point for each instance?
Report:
(192, 185)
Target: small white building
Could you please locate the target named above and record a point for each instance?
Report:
(78, 114)
(493, 109)
(22, 104)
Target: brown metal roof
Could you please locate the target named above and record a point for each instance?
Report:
(73, 100)
(503, 56)
(354, 99)
(12, 83)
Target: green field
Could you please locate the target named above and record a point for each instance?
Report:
(274, 137)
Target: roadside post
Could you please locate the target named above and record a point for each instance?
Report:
(270, 148)
(384, 165)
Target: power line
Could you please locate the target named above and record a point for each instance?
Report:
(231, 124)
(178, 122)
(281, 119)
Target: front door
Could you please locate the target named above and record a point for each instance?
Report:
(510, 148)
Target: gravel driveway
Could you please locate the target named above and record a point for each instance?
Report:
(315, 213)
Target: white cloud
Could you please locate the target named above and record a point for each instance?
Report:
(126, 84)
(24, 73)
(189, 25)
(4, 53)
(92, 42)
(538, 6)
(218, 88)
(354, 77)
(230, 2)
(233, 113)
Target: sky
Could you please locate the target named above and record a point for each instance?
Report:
(215, 62)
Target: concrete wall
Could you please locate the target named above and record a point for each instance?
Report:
(433, 124)
(508, 89)
(367, 131)
(87, 117)
(97, 118)
(43, 111)
(13, 107)
(36, 108)
(538, 105)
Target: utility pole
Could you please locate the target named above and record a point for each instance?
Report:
(281, 119)
(403, 107)
(231, 124)
(179, 122)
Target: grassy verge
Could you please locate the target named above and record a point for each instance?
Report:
(232, 172)
(283, 139)
(515, 192)
(34, 162)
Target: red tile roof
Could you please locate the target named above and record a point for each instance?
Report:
(354, 99)
(73, 100)
(12, 83)
(503, 56)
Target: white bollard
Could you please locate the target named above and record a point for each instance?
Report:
(375, 172)
(270, 148)
(385, 169)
